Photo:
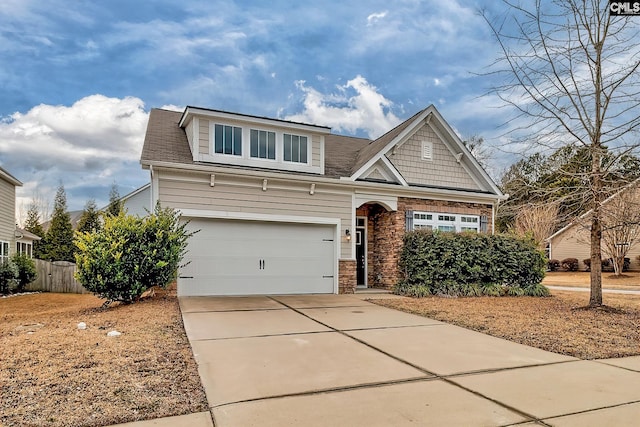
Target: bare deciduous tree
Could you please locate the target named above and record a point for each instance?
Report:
(570, 71)
(537, 220)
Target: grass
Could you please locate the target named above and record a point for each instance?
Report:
(628, 280)
(56, 375)
(556, 324)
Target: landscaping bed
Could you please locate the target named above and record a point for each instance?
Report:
(54, 374)
(556, 324)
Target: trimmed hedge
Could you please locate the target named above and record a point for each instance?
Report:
(468, 264)
(570, 264)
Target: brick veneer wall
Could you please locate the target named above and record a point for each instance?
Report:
(347, 276)
(385, 232)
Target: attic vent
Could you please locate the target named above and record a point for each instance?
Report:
(427, 150)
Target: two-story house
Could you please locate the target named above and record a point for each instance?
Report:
(8, 185)
(290, 208)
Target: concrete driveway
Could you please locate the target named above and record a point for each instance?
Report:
(337, 360)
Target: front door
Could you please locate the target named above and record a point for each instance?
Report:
(361, 251)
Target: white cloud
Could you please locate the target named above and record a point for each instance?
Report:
(356, 106)
(375, 17)
(88, 145)
(436, 82)
(172, 107)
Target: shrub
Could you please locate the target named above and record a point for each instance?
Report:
(8, 276)
(131, 254)
(553, 265)
(416, 291)
(538, 290)
(465, 264)
(587, 264)
(26, 270)
(570, 264)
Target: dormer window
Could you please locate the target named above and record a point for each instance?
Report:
(295, 148)
(263, 144)
(228, 140)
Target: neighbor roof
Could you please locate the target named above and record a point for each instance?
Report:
(8, 177)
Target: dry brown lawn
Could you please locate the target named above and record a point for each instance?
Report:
(56, 375)
(557, 323)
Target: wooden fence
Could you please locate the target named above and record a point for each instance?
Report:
(56, 276)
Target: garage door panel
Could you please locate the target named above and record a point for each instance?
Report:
(250, 257)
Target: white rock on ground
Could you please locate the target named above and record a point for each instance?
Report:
(114, 334)
(82, 326)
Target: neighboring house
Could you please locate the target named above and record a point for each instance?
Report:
(290, 208)
(8, 186)
(74, 217)
(24, 242)
(138, 202)
(574, 240)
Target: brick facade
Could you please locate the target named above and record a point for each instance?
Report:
(346, 276)
(385, 232)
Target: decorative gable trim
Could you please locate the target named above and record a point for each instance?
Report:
(431, 117)
(387, 170)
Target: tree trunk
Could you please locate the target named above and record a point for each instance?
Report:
(595, 299)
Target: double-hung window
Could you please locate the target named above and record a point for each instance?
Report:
(24, 248)
(445, 222)
(295, 148)
(4, 252)
(263, 144)
(228, 140)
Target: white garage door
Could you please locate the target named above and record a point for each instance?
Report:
(228, 257)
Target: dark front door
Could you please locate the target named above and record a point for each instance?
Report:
(361, 253)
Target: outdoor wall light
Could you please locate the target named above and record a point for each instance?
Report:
(348, 234)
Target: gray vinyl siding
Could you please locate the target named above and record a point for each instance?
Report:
(137, 203)
(245, 195)
(204, 136)
(315, 150)
(8, 214)
(442, 171)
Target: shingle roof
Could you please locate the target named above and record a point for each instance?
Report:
(8, 177)
(165, 141)
(374, 148)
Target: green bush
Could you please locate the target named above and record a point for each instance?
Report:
(570, 264)
(131, 254)
(8, 276)
(26, 270)
(468, 264)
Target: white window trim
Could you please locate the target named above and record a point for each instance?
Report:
(245, 158)
(3, 256)
(435, 222)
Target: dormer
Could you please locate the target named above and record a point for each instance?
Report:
(242, 140)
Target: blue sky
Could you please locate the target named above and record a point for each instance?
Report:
(77, 78)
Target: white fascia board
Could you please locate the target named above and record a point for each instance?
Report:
(346, 184)
(264, 121)
(400, 138)
(397, 175)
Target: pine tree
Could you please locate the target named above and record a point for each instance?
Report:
(59, 239)
(90, 220)
(115, 205)
(32, 225)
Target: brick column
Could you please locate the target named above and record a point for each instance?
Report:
(347, 276)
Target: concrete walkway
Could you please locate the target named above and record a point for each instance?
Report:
(333, 360)
(587, 289)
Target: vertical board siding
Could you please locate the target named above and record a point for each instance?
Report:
(315, 150)
(443, 170)
(56, 276)
(204, 136)
(7, 214)
(247, 196)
